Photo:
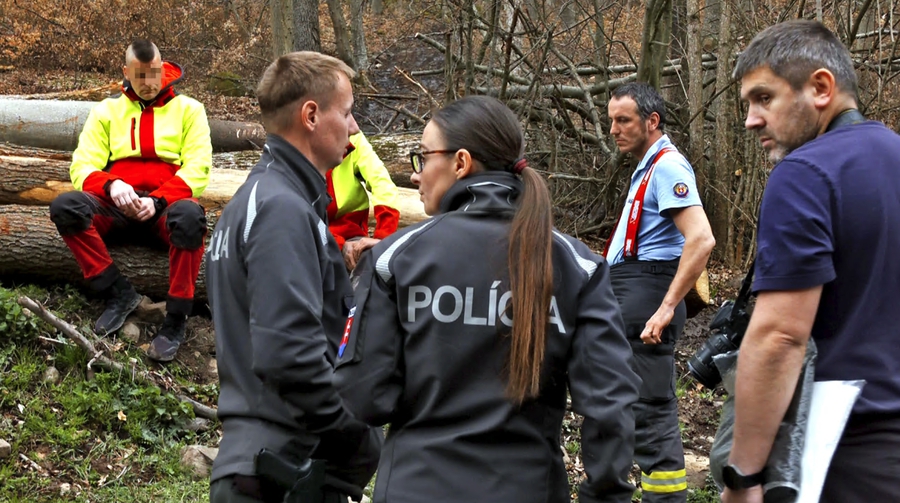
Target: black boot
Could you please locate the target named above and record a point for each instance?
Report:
(121, 300)
(169, 338)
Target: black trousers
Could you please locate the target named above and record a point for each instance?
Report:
(640, 288)
(866, 465)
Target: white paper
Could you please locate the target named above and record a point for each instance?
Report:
(829, 409)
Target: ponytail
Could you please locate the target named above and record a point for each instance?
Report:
(493, 135)
(531, 283)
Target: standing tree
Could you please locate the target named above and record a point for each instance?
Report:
(282, 33)
(341, 32)
(295, 26)
(655, 41)
(306, 25)
(358, 35)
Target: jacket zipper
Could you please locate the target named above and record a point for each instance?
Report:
(133, 146)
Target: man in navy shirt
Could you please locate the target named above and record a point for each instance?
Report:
(826, 267)
(657, 251)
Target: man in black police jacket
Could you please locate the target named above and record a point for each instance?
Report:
(279, 293)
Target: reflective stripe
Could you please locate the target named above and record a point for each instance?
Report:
(382, 265)
(664, 482)
(251, 211)
(587, 265)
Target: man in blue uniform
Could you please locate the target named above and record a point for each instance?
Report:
(658, 250)
(826, 266)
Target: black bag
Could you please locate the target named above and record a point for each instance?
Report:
(783, 468)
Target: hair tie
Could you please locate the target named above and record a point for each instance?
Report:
(519, 166)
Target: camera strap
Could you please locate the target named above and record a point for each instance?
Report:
(744, 294)
(846, 118)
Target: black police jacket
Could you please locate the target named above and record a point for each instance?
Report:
(279, 295)
(428, 347)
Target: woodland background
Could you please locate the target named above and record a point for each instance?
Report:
(74, 433)
(552, 61)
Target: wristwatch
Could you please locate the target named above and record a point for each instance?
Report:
(735, 480)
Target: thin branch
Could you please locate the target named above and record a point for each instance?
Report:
(588, 99)
(388, 96)
(420, 86)
(402, 110)
(31, 463)
(574, 178)
(237, 18)
(42, 18)
(71, 332)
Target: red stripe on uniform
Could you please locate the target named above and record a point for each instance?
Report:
(148, 138)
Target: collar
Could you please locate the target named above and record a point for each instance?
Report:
(658, 145)
(846, 118)
(488, 191)
(172, 74)
(279, 155)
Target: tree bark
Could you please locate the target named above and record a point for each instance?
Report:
(341, 32)
(655, 41)
(282, 29)
(31, 247)
(306, 26)
(694, 57)
(358, 34)
(720, 216)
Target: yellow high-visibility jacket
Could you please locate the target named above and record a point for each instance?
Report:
(348, 213)
(161, 148)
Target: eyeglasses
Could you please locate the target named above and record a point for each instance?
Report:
(417, 158)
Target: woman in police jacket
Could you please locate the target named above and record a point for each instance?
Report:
(470, 326)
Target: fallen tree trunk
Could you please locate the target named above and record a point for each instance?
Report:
(38, 181)
(57, 124)
(30, 247)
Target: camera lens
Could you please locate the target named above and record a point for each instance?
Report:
(702, 366)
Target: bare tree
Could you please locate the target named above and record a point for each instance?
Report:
(694, 58)
(341, 32)
(655, 40)
(358, 36)
(282, 32)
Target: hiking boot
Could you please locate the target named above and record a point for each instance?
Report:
(121, 301)
(169, 338)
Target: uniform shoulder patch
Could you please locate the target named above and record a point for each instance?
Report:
(681, 190)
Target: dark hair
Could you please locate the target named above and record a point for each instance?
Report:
(143, 50)
(793, 50)
(646, 97)
(303, 74)
(492, 134)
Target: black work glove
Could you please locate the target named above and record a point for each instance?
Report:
(350, 474)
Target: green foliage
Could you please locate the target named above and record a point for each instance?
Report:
(148, 416)
(16, 323)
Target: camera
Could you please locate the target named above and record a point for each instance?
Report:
(728, 327)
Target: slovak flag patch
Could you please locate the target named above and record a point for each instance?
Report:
(681, 190)
(346, 338)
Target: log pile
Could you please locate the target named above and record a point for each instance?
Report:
(57, 124)
(31, 247)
